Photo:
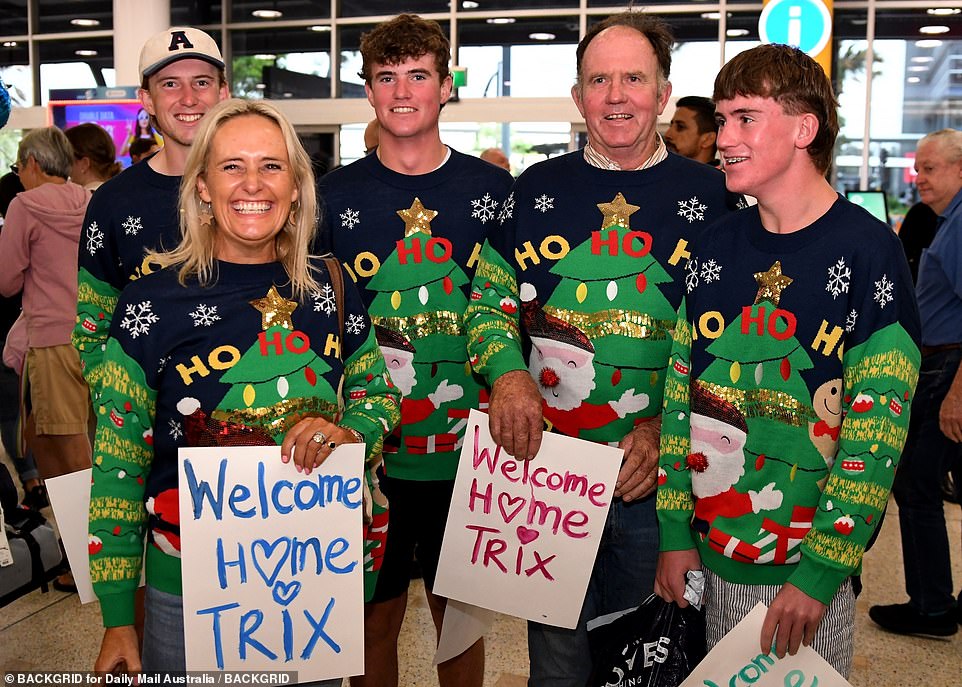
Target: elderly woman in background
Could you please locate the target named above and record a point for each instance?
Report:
(39, 248)
(241, 275)
(95, 156)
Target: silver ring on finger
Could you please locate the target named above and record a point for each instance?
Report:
(319, 437)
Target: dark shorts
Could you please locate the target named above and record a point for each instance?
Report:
(418, 512)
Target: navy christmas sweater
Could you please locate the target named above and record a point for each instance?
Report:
(411, 242)
(579, 282)
(235, 363)
(787, 400)
(131, 213)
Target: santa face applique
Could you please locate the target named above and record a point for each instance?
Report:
(565, 373)
(401, 366)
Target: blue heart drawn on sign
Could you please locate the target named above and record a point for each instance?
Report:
(269, 548)
(285, 593)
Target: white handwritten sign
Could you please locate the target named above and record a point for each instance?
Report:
(521, 537)
(272, 562)
(737, 662)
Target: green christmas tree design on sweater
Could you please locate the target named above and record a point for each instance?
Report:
(608, 292)
(418, 309)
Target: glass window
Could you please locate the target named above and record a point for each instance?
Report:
(15, 72)
(374, 8)
(277, 10)
(13, 19)
(352, 85)
(194, 13)
(528, 58)
(58, 16)
(80, 63)
(303, 70)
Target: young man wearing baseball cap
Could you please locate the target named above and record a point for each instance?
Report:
(182, 77)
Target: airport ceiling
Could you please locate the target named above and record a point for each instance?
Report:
(54, 16)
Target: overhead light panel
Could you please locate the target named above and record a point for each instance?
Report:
(943, 11)
(541, 36)
(85, 22)
(268, 14)
(470, 5)
(501, 20)
(85, 53)
(914, 79)
(736, 33)
(320, 28)
(928, 43)
(934, 30)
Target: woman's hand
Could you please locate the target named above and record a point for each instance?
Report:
(311, 441)
(119, 651)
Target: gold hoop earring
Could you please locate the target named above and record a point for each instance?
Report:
(206, 216)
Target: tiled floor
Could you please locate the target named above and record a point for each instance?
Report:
(54, 632)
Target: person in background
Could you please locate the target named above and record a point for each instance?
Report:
(496, 157)
(411, 194)
(935, 432)
(182, 77)
(916, 234)
(95, 158)
(34, 493)
(249, 208)
(786, 415)
(142, 148)
(38, 244)
(595, 323)
(372, 133)
(692, 130)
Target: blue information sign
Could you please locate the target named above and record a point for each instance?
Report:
(805, 24)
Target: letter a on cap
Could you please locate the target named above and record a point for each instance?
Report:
(178, 40)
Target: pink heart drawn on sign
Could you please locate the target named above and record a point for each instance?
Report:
(526, 536)
(506, 502)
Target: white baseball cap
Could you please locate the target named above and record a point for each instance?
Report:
(178, 43)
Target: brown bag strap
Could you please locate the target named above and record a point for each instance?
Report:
(337, 282)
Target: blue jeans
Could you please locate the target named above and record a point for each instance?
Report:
(622, 577)
(164, 636)
(917, 489)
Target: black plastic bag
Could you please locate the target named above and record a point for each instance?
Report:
(656, 644)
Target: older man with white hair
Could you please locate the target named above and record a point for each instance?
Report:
(936, 426)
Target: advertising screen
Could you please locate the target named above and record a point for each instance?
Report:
(117, 117)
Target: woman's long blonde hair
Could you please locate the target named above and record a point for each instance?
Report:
(195, 253)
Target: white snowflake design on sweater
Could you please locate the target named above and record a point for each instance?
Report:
(95, 238)
(350, 218)
(691, 275)
(204, 315)
(543, 203)
(132, 225)
(850, 322)
(691, 209)
(883, 291)
(138, 317)
(483, 208)
(355, 324)
(176, 432)
(710, 271)
(507, 209)
(839, 277)
(325, 300)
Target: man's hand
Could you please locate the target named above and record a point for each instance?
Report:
(791, 621)
(639, 469)
(514, 414)
(119, 652)
(950, 414)
(670, 575)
